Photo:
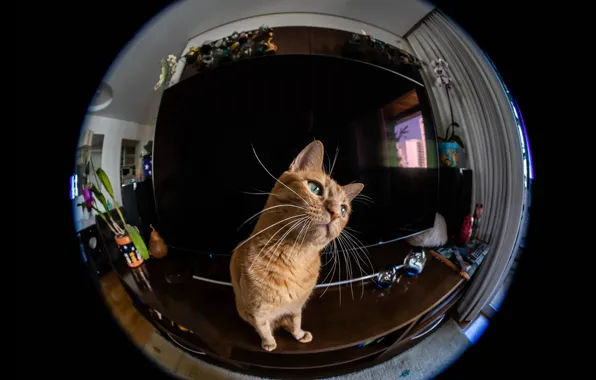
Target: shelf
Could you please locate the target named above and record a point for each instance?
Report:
(209, 309)
(186, 338)
(325, 359)
(435, 315)
(318, 360)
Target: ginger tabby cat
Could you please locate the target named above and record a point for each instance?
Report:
(275, 270)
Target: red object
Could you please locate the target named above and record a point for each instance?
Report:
(466, 230)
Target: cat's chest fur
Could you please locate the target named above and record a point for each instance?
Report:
(289, 275)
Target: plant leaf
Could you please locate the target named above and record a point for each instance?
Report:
(137, 240)
(105, 181)
(100, 197)
(458, 141)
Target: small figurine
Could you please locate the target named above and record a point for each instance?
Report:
(206, 53)
(157, 247)
(206, 48)
(380, 46)
(235, 47)
(415, 261)
(207, 60)
(243, 37)
(246, 51)
(192, 55)
(265, 29)
(267, 47)
(387, 277)
(477, 216)
(265, 33)
(466, 230)
(356, 39)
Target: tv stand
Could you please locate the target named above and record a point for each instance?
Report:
(358, 333)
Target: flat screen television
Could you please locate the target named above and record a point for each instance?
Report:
(206, 174)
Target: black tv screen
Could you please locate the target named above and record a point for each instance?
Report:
(206, 174)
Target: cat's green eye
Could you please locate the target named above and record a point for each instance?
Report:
(344, 209)
(315, 188)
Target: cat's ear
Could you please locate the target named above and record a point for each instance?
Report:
(352, 190)
(310, 159)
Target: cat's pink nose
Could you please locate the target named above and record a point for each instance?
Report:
(334, 212)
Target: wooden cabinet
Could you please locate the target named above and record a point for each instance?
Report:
(359, 333)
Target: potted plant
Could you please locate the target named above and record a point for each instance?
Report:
(127, 237)
(450, 144)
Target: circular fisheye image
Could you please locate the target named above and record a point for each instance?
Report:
(302, 190)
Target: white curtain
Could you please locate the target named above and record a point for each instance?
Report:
(493, 149)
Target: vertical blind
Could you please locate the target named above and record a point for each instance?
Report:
(489, 131)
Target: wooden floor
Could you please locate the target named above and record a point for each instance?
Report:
(143, 334)
(132, 322)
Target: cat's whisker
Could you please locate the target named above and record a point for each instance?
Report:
(359, 247)
(265, 229)
(328, 273)
(250, 193)
(271, 238)
(334, 252)
(355, 256)
(277, 244)
(262, 192)
(303, 223)
(326, 253)
(334, 159)
(363, 199)
(272, 176)
(352, 229)
(265, 210)
(339, 269)
(348, 263)
(307, 226)
(281, 240)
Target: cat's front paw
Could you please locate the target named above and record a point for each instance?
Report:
(268, 345)
(307, 337)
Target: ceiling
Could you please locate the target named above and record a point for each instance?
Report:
(136, 70)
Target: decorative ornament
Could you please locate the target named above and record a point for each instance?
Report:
(387, 277)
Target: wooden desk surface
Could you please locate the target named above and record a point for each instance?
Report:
(209, 310)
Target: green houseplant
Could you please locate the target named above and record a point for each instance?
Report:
(127, 237)
(449, 144)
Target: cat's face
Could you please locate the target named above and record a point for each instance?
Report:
(312, 197)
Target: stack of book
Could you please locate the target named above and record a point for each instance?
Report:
(462, 259)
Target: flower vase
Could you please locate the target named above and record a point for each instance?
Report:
(129, 251)
(449, 154)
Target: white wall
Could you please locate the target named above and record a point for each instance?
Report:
(114, 130)
(293, 19)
